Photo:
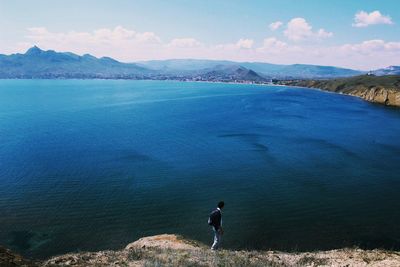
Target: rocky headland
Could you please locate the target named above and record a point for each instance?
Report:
(173, 250)
(378, 89)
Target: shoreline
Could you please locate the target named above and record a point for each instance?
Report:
(364, 96)
(383, 90)
(174, 250)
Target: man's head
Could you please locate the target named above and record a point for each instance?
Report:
(221, 204)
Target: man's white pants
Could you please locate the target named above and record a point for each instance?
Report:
(217, 239)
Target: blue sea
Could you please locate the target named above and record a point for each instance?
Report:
(96, 164)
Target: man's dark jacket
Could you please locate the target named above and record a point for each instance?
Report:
(215, 217)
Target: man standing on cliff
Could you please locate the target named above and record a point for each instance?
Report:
(215, 220)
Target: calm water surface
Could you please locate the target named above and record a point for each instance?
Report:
(93, 164)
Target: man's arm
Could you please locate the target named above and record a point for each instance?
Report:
(220, 230)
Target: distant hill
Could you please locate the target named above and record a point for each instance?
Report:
(230, 73)
(314, 71)
(267, 70)
(391, 70)
(37, 63)
(379, 89)
(176, 66)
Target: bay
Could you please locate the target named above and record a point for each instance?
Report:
(96, 164)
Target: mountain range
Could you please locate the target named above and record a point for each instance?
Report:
(37, 63)
(266, 70)
(391, 70)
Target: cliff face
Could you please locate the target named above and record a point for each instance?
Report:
(378, 95)
(383, 89)
(172, 250)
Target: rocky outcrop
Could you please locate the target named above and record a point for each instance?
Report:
(11, 259)
(172, 250)
(378, 89)
(379, 95)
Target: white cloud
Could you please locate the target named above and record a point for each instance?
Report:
(275, 50)
(298, 29)
(129, 45)
(272, 45)
(37, 31)
(275, 25)
(392, 46)
(364, 19)
(110, 36)
(116, 42)
(241, 44)
(372, 47)
(245, 43)
(184, 42)
(321, 33)
(272, 42)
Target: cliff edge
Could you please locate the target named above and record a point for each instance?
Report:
(172, 250)
(378, 89)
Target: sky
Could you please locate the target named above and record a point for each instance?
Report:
(358, 34)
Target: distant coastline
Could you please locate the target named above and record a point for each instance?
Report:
(383, 90)
(39, 64)
(377, 93)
